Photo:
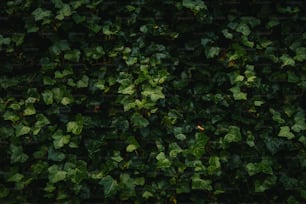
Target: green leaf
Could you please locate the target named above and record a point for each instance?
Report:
(243, 29)
(153, 93)
(73, 55)
(265, 166)
(40, 14)
(300, 54)
(131, 148)
(63, 12)
(55, 174)
(299, 124)
(29, 110)
(4, 192)
(17, 177)
(212, 52)
(67, 100)
(286, 60)
(138, 120)
(147, 195)
(22, 130)
(55, 155)
(83, 82)
(75, 127)
(17, 154)
(285, 132)
(41, 121)
(48, 97)
(214, 165)
(194, 5)
(237, 94)
(233, 135)
(262, 186)
(276, 116)
(60, 139)
(10, 115)
(200, 184)
(109, 185)
(162, 161)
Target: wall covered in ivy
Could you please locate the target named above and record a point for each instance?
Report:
(151, 101)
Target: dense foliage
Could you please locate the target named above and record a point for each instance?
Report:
(152, 101)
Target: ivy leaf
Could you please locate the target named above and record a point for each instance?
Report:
(83, 82)
(262, 186)
(147, 195)
(233, 135)
(29, 110)
(162, 161)
(300, 54)
(63, 12)
(10, 115)
(22, 130)
(4, 192)
(55, 174)
(200, 184)
(40, 14)
(109, 185)
(139, 121)
(18, 155)
(194, 5)
(75, 127)
(73, 55)
(285, 132)
(212, 52)
(299, 124)
(55, 155)
(243, 29)
(237, 94)
(47, 97)
(153, 93)
(286, 60)
(60, 139)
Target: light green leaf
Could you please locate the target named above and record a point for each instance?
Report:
(285, 132)
(17, 177)
(244, 29)
(300, 54)
(22, 130)
(74, 127)
(147, 195)
(153, 93)
(162, 161)
(212, 52)
(55, 174)
(131, 148)
(73, 55)
(40, 14)
(29, 110)
(60, 139)
(286, 60)
(66, 100)
(237, 94)
(194, 5)
(48, 97)
(233, 135)
(65, 11)
(83, 82)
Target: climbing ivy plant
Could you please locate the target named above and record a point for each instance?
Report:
(148, 101)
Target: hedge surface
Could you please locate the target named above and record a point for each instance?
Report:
(152, 101)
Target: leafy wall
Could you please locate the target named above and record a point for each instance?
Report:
(152, 101)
